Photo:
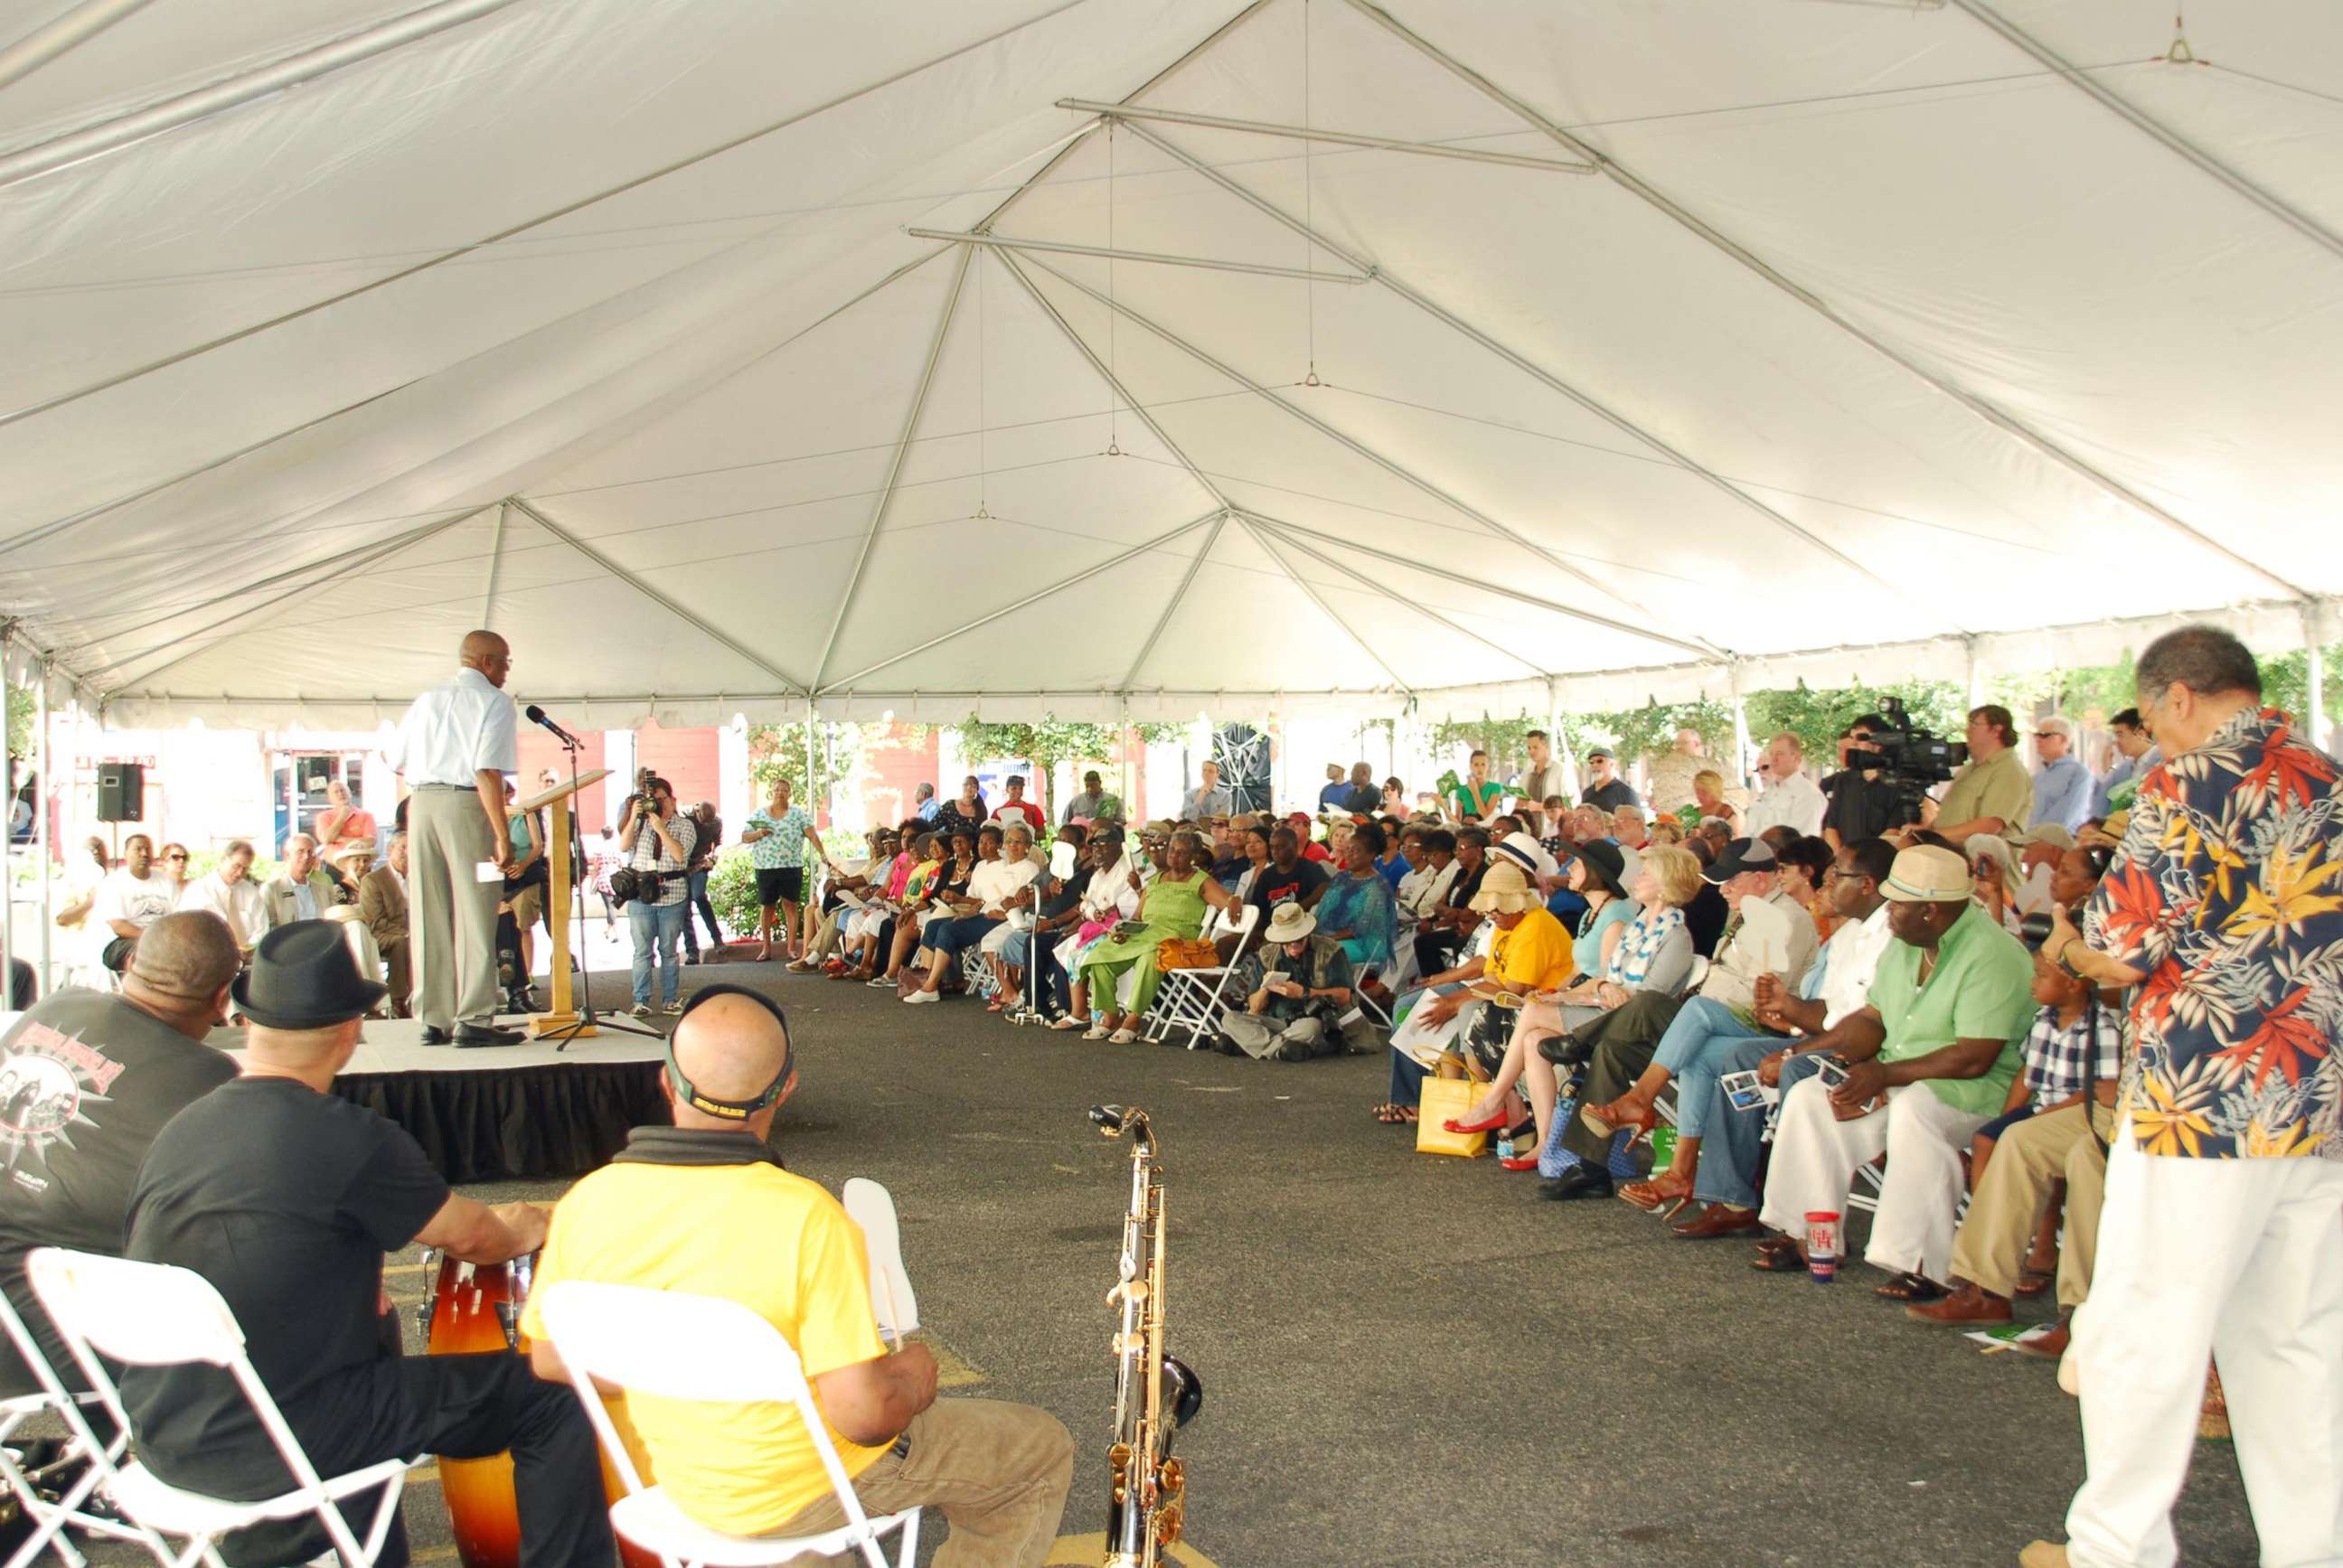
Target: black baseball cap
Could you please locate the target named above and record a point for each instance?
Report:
(1741, 855)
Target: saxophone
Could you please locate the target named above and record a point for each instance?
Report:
(1155, 1392)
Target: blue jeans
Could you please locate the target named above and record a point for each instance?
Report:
(1734, 1141)
(1703, 1033)
(660, 927)
(697, 899)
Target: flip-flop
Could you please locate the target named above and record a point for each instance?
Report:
(1778, 1255)
(1912, 1288)
(2033, 1282)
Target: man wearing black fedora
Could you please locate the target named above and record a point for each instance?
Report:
(286, 1197)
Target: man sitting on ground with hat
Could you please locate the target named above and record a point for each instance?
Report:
(286, 1196)
(1929, 1060)
(783, 1247)
(1296, 986)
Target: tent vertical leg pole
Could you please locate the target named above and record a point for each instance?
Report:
(2314, 619)
(43, 835)
(8, 877)
(1564, 753)
(1741, 748)
(810, 903)
(1976, 679)
(1123, 750)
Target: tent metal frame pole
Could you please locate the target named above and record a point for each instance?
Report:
(2147, 125)
(1269, 548)
(515, 231)
(1520, 361)
(1172, 605)
(845, 682)
(359, 561)
(235, 91)
(1194, 52)
(2314, 620)
(1130, 112)
(495, 565)
(55, 37)
(1381, 591)
(894, 468)
(1157, 257)
(43, 829)
(2043, 445)
(1700, 650)
(9, 856)
(723, 638)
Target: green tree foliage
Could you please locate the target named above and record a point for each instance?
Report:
(22, 742)
(1049, 742)
(779, 752)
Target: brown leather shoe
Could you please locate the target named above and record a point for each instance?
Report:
(1964, 1308)
(2049, 1346)
(1718, 1220)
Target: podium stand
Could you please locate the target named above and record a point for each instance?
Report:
(564, 1019)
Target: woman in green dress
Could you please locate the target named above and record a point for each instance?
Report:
(1172, 906)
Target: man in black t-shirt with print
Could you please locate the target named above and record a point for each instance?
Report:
(86, 1082)
(286, 1198)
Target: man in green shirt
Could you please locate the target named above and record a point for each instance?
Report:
(1929, 1060)
(1993, 794)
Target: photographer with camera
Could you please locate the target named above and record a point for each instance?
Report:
(656, 840)
(2224, 1175)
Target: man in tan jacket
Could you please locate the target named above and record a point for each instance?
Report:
(382, 906)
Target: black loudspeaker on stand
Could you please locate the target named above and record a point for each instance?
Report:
(121, 791)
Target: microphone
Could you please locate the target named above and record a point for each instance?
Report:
(536, 714)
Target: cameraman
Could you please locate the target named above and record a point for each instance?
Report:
(2224, 1175)
(1860, 803)
(656, 842)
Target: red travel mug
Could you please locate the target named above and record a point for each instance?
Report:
(1822, 1245)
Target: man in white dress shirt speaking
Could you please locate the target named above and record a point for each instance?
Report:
(453, 748)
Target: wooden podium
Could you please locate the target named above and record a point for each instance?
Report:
(563, 1019)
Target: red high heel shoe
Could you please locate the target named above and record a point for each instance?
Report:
(1525, 1162)
(1490, 1125)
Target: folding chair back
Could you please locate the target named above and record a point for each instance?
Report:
(1187, 1001)
(681, 1346)
(892, 1300)
(50, 1518)
(140, 1314)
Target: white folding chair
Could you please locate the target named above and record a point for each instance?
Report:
(892, 1300)
(699, 1348)
(51, 1519)
(1187, 1001)
(150, 1314)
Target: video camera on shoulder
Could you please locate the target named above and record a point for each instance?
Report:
(1909, 760)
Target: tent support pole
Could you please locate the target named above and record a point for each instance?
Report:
(2314, 619)
(536, 516)
(1397, 470)
(1519, 361)
(1380, 591)
(1172, 605)
(813, 792)
(46, 42)
(894, 466)
(496, 564)
(1036, 597)
(2154, 129)
(1158, 257)
(8, 863)
(1628, 180)
(1128, 112)
(1269, 548)
(44, 828)
(1122, 751)
(1741, 747)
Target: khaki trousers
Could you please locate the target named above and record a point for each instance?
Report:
(999, 1472)
(1999, 1229)
(451, 913)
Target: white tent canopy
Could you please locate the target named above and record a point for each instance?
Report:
(1782, 340)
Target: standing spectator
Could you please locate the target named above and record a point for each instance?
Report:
(228, 892)
(2224, 1176)
(657, 838)
(524, 891)
(382, 905)
(966, 814)
(1476, 797)
(341, 822)
(1858, 803)
(1208, 800)
(131, 898)
(1791, 800)
(1017, 809)
(924, 804)
(1083, 809)
(2062, 785)
(2135, 756)
(1673, 775)
(1993, 794)
(775, 837)
(707, 834)
(1605, 787)
(1337, 784)
(1363, 795)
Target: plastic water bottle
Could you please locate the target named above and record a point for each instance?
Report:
(1822, 1245)
(1505, 1145)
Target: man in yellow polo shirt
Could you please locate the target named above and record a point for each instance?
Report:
(1994, 793)
(704, 1207)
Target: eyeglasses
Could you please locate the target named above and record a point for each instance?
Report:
(175, 857)
(1835, 875)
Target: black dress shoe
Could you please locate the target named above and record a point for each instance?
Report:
(433, 1035)
(473, 1035)
(1578, 1181)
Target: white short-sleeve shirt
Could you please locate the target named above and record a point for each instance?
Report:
(454, 730)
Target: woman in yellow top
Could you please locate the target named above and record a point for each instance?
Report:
(1529, 950)
(1172, 905)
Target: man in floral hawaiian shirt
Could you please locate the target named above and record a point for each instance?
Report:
(2223, 1231)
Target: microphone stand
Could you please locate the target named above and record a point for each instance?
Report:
(585, 1022)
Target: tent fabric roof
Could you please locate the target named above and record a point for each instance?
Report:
(1884, 336)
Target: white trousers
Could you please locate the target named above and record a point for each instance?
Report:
(2241, 1260)
(1817, 1155)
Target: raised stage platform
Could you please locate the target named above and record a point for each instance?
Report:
(506, 1111)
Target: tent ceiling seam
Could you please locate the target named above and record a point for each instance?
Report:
(678, 166)
(704, 627)
(1698, 647)
(1171, 606)
(1521, 362)
(1269, 548)
(495, 565)
(1378, 589)
(1635, 185)
(894, 466)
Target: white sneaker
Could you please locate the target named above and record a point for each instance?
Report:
(880, 982)
(642, 1010)
(673, 1009)
(918, 996)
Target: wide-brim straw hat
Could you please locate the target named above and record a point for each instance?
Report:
(1505, 889)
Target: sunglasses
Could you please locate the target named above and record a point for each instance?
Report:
(175, 857)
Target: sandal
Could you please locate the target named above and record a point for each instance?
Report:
(2033, 1282)
(1649, 1195)
(1124, 1036)
(1388, 1113)
(1598, 1122)
(1097, 1032)
(1778, 1255)
(1069, 1022)
(1913, 1288)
